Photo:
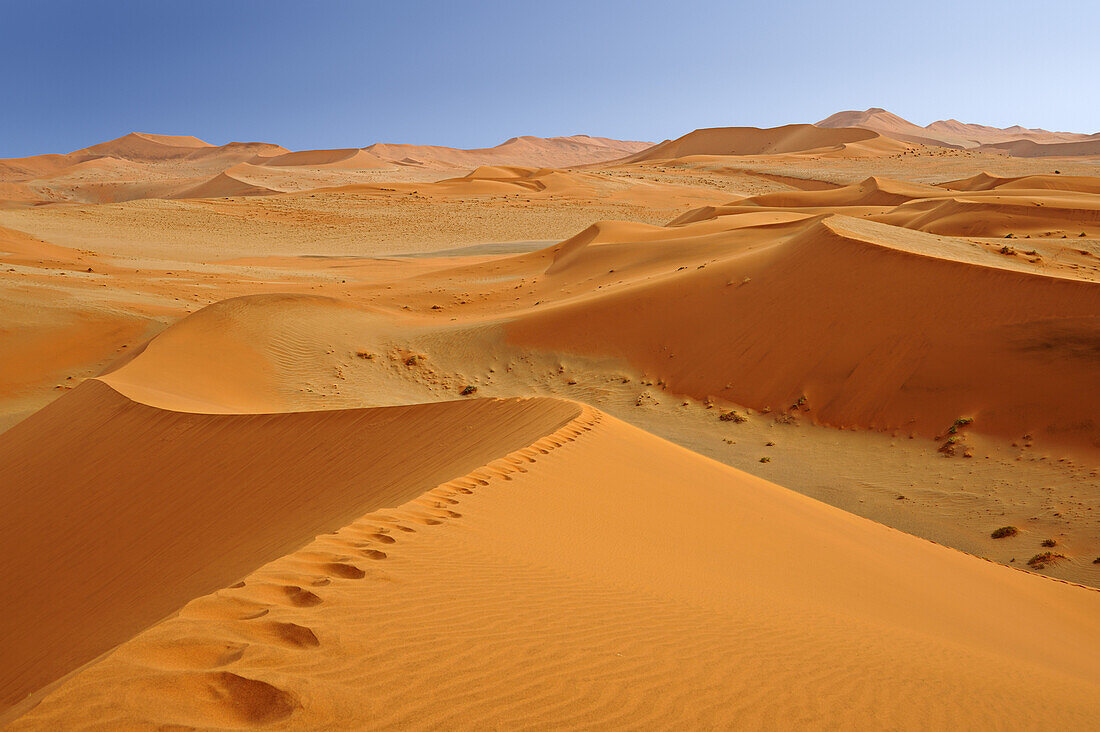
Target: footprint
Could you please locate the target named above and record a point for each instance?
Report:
(220, 607)
(250, 700)
(183, 653)
(301, 598)
(374, 554)
(383, 538)
(346, 571)
(290, 635)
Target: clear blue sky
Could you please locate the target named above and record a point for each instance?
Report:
(335, 73)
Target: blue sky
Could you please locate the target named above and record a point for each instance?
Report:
(334, 73)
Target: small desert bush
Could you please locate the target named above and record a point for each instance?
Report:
(765, 459)
(1041, 560)
(1049, 543)
(1004, 532)
(733, 416)
(468, 390)
(959, 424)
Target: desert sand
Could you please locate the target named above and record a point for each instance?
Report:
(568, 432)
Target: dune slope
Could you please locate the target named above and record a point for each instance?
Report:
(604, 577)
(858, 323)
(752, 141)
(115, 513)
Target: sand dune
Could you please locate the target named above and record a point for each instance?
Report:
(17, 169)
(951, 132)
(874, 191)
(142, 146)
(603, 577)
(752, 141)
(352, 158)
(891, 125)
(223, 184)
(817, 309)
(141, 165)
(985, 182)
(180, 527)
(544, 152)
(1016, 213)
(1030, 149)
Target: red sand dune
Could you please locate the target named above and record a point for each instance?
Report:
(150, 508)
(352, 158)
(757, 141)
(875, 325)
(599, 575)
(1088, 148)
(223, 184)
(536, 559)
(951, 132)
(546, 152)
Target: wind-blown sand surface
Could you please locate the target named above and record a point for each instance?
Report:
(260, 460)
(603, 576)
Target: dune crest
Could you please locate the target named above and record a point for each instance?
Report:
(602, 576)
(751, 319)
(181, 526)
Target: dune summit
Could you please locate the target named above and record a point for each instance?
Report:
(787, 427)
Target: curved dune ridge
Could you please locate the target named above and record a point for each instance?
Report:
(126, 511)
(602, 576)
(872, 325)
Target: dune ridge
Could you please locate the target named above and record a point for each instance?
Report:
(954, 134)
(758, 309)
(507, 595)
(181, 527)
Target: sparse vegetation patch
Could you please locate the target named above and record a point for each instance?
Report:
(1040, 561)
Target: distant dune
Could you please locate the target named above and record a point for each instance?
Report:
(1089, 147)
(352, 158)
(756, 141)
(543, 152)
(141, 165)
(223, 184)
(952, 133)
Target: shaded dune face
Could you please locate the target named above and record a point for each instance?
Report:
(115, 513)
(852, 300)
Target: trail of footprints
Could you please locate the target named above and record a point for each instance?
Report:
(293, 582)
